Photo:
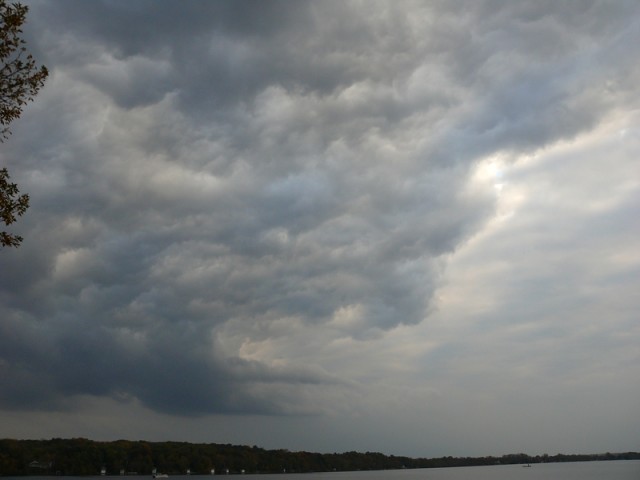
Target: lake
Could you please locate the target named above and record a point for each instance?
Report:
(610, 470)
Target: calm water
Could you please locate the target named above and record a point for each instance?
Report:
(612, 470)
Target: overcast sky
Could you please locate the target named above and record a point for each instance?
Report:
(398, 226)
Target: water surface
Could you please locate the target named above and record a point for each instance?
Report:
(609, 470)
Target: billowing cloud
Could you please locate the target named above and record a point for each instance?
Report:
(229, 197)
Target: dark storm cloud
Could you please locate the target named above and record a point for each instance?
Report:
(210, 176)
(219, 52)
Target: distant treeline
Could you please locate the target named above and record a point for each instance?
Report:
(80, 456)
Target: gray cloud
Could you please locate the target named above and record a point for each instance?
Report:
(223, 193)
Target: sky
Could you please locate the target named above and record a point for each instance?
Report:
(407, 226)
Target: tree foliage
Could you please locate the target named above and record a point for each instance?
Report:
(20, 81)
(11, 205)
(20, 77)
(79, 456)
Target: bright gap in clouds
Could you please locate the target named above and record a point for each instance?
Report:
(491, 171)
(534, 311)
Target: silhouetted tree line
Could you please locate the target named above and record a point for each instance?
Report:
(80, 456)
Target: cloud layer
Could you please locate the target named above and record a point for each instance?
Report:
(304, 208)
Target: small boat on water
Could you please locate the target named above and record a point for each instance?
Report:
(528, 465)
(155, 474)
